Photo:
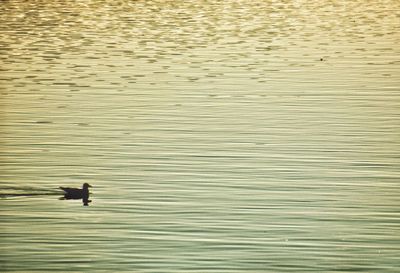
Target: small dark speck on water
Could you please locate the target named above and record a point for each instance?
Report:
(44, 122)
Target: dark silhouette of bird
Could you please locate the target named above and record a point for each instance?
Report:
(75, 193)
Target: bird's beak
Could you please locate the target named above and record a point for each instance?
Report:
(89, 186)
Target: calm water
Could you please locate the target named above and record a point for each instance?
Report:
(219, 136)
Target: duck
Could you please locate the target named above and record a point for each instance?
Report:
(75, 193)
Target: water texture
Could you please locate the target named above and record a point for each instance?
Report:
(219, 136)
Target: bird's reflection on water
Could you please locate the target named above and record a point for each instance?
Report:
(85, 201)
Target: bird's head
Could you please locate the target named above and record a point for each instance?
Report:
(86, 185)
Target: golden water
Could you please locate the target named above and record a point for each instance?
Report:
(219, 136)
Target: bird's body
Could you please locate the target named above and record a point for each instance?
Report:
(75, 193)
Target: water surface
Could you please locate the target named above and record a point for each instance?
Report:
(219, 136)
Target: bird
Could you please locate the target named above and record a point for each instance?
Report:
(75, 193)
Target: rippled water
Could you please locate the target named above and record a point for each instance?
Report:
(219, 136)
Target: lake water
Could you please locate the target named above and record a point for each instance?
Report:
(219, 136)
